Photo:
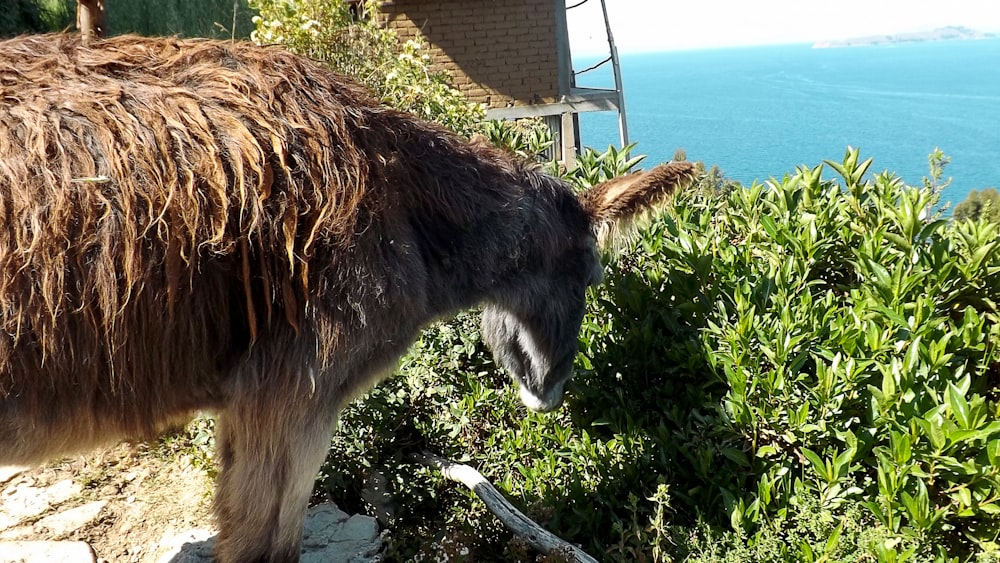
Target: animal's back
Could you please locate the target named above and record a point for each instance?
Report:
(159, 201)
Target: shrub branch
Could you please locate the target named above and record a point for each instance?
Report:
(537, 537)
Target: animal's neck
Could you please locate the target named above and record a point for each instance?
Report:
(466, 260)
(454, 212)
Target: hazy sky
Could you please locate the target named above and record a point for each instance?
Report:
(660, 25)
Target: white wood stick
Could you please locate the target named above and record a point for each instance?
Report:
(537, 537)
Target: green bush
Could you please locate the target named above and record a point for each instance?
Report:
(856, 343)
(592, 167)
(223, 19)
(796, 371)
(356, 45)
(204, 18)
(528, 138)
(983, 204)
(36, 16)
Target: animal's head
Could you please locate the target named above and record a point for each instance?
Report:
(532, 325)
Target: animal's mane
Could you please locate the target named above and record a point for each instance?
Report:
(133, 139)
(126, 165)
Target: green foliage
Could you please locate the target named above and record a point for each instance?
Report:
(196, 440)
(795, 371)
(594, 167)
(937, 161)
(204, 18)
(714, 181)
(810, 534)
(854, 343)
(36, 16)
(360, 47)
(857, 342)
(446, 399)
(325, 31)
(528, 138)
(978, 205)
(221, 19)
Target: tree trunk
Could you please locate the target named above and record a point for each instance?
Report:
(90, 19)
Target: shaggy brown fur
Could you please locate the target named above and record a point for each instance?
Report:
(197, 225)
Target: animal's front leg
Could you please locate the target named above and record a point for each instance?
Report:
(270, 448)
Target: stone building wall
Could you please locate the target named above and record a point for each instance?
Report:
(501, 53)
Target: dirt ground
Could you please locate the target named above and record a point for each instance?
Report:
(149, 500)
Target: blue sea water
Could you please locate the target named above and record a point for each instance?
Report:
(759, 112)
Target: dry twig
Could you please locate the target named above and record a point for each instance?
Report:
(537, 537)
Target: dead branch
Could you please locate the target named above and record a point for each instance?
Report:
(537, 537)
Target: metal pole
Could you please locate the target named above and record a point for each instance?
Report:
(622, 122)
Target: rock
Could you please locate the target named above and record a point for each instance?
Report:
(62, 491)
(331, 536)
(18, 533)
(73, 519)
(8, 472)
(192, 546)
(26, 501)
(46, 551)
(376, 494)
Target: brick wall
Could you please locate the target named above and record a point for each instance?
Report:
(498, 52)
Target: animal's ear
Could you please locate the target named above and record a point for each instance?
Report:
(480, 140)
(619, 200)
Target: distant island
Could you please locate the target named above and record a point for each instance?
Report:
(950, 33)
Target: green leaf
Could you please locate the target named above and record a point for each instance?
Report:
(899, 241)
(959, 406)
(765, 451)
(876, 510)
(964, 496)
(981, 254)
(959, 436)
(993, 451)
(736, 455)
(806, 554)
(769, 226)
(901, 447)
(833, 539)
(818, 464)
(842, 463)
(930, 426)
(881, 276)
(912, 358)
